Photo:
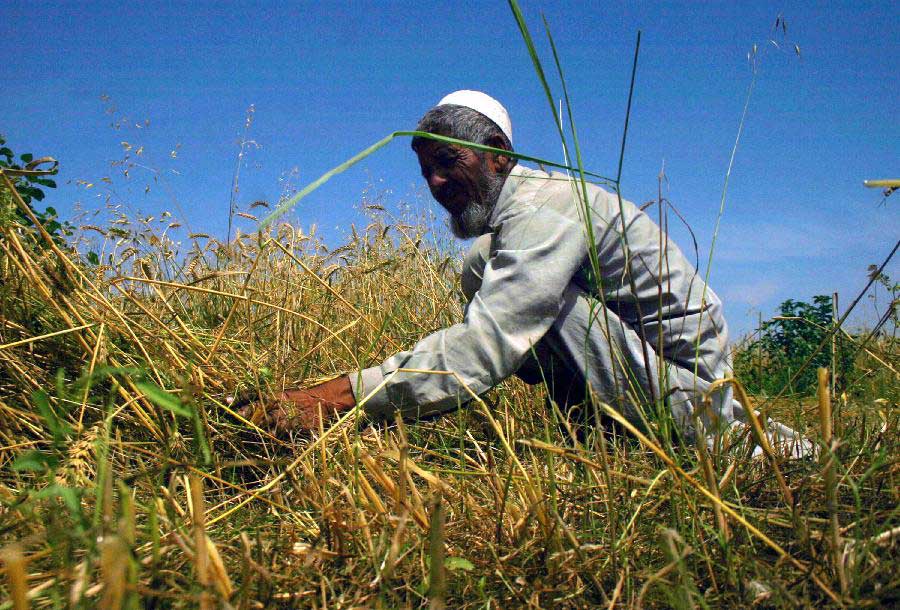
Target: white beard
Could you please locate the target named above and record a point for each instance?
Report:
(473, 221)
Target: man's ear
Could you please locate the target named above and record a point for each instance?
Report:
(502, 163)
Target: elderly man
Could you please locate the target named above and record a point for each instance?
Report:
(566, 285)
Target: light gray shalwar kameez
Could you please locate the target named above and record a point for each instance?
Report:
(535, 303)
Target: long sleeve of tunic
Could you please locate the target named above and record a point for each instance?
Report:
(540, 231)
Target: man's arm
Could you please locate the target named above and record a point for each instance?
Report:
(301, 409)
(538, 249)
(659, 293)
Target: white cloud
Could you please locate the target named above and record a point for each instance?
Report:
(792, 239)
(754, 293)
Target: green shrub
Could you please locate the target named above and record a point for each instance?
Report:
(788, 343)
(30, 188)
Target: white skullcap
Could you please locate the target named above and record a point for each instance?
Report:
(483, 103)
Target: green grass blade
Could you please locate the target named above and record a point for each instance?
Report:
(535, 60)
(163, 399)
(312, 186)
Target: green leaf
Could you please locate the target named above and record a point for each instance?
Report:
(61, 384)
(103, 371)
(34, 461)
(69, 496)
(458, 563)
(93, 258)
(200, 438)
(58, 427)
(163, 399)
(27, 157)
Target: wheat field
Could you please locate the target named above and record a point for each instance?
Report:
(128, 481)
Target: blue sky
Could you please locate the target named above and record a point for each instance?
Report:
(327, 79)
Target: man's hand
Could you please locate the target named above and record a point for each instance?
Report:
(300, 409)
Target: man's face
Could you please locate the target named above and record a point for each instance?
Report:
(462, 183)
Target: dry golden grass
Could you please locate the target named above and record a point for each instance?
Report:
(128, 481)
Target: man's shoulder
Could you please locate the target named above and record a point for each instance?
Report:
(535, 190)
(525, 187)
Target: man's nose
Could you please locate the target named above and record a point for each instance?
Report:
(436, 181)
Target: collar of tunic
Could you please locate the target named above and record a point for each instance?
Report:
(517, 175)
